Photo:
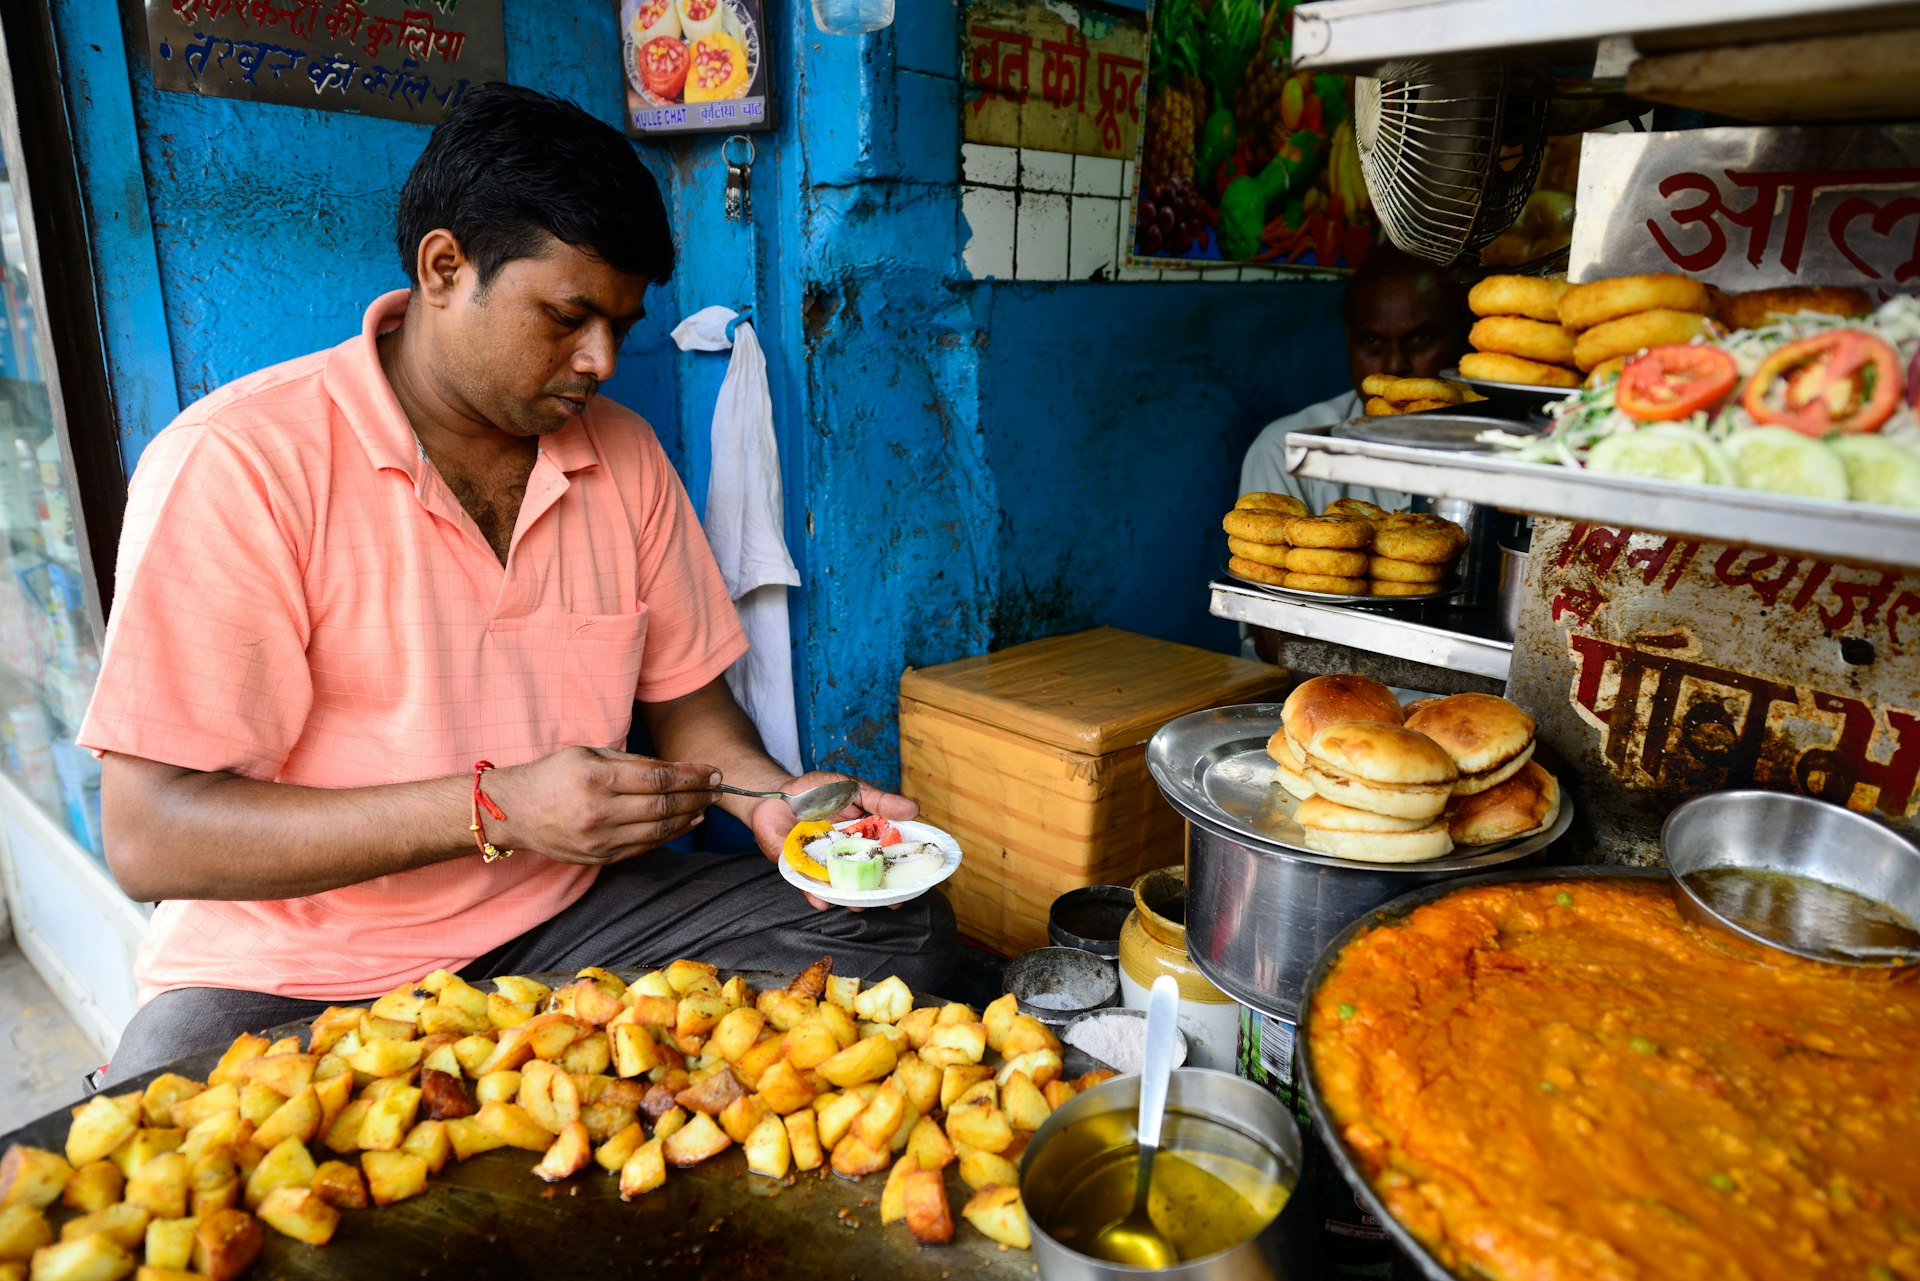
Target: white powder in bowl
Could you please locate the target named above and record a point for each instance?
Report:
(1117, 1039)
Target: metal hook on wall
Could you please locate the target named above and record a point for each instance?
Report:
(746, 314)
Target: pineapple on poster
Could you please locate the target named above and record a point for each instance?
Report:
(1242, 159)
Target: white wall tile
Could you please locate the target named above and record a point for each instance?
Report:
(1126, 178)
(1045, 170)
(1091, 244)
(994, 166)
(1041, 243)
(1096, 176)
(992, 228)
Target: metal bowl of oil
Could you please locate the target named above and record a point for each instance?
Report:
(1797, 874)
(1223, 1191)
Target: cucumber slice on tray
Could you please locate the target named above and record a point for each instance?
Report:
(1879, 471)
(1782, 461)
(1667, 452)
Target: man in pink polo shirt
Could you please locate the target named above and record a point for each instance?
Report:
(349, 582)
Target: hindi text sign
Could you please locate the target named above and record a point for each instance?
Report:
(1033, 78)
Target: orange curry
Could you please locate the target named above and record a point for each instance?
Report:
(1563, 1080)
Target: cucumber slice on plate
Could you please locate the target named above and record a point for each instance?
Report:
(1649, 452)
(1879, 471)
(1782, 461)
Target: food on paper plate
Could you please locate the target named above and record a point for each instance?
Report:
(1527, 802)
(865, 854)
(821, 1073)
(1489, 738)
(1366, 837)
(1495, 367)
(1383, 769)
(1726, 1111)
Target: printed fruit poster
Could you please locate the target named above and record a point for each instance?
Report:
(694, 65)
(1243, 159)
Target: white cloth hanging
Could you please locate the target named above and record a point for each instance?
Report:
(746, 527)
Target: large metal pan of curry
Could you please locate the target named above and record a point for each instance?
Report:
(1554, 1074)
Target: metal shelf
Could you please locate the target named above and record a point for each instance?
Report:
(1375, 632)
(1712, 513)
(1359, 35)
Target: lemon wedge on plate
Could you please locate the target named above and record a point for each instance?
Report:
(794, 850)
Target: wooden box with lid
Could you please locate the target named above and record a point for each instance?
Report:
(1034, 758)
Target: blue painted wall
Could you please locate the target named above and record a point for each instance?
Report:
(968, 464)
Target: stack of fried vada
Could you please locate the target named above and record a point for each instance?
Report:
(1387, 395)
(1380, 784)
(1519, 337)
(1257, 536)
(1413, 553)
(1354, 548)
(1616, 319)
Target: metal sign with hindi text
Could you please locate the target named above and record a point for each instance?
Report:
(1052, 77)
(1661, 668)
(395, 58)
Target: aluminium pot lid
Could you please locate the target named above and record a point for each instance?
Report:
(1213, 767)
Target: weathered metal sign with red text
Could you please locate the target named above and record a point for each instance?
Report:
(1663, 668)
(1752, 208)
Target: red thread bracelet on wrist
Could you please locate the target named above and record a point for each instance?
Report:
(489, 852)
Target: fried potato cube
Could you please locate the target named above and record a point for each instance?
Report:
(839, 1022)
(980, 1125)
(591, 1055)
(695, 1141)
(645, 1170)
(1057, 1093)
(389, 1119)
(497, 1087)
(853, 1159)
(385, 1058)
(147, 1272)
(258, 1102)
(841, 989)
(165, 1090)
(957, 1080)
(652, 983)
(340, 1185)
(99, 1126)
(344, 1134)
(736, 1032)
(88, 1258)
(145, 1145)
(124, 1225)
(464, 996)
(917, 1024)
(1025, 1034)
(298, 1118)
(401, 1005)
(893, 1198)
(1040, 1067)
(812, 981)
(471, 1051)
(32, 1177)
(837, 1117)
(919, 1081)
(803, 1139)
(928, 1216)
(374, 1028)
(549, 1096)
(784, 1090)
(998, 1015)
(996, 1210)
(588, 1002)
(194, 1109)
(604, 1120)
(430, 1142)
(443, 1097)
(226, 1244)
(885, 1002)
(769, 1150)
(330, 1025)
(23, 1229)
(169, 1242)
(635, 1052)
(810, 1043)
(711, 1095)
(927, 1145)
(785, 1010)
(521, 991)
(301, 1214)
(657, 1011)
(284, 1074)
(393, 1176)
(245, 1048)
(470, 1138)
(740, 1117)
(94, 1186)
(162, 1187)
(569, 1155)
(981, 1169)
(751, 1066)
(619, 1148)
(288, 1165)
(685, 976)
(951, 1044)
(1021, 1100)
(863, 1061)
(880, 1118)
(669, 1123)
(515, 1126)
(503, 1014)
(902, 1044)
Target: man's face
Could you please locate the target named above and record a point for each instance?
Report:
(529, 351)
(1400, 327)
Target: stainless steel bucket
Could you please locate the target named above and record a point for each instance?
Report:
(1247, 1124)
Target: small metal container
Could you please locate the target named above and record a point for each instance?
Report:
(1793, 836)
(1137, 1035)
(1514, 549)
(1206, 1111)
(1054, 984)
(1090, 918)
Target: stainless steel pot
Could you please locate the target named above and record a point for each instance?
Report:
(1247, 1124)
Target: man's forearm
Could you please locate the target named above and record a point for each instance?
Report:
(709, 727)
(172, 833)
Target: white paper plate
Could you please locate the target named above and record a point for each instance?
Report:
(912, 831)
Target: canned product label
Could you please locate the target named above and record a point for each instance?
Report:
(1264, 1056)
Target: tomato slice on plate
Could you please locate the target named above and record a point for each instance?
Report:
(1674, 382)
(1844, 380)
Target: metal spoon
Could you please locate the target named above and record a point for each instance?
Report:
(1133, 1239)
(823, 801)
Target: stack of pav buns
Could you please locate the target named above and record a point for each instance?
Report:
(1354, 548)
(1387, 395)
(1381, 784)
(1615, 319)
(1519, 337)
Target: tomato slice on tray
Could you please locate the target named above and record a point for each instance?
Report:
(663, 67)
(1675, 381)
(1841, 381)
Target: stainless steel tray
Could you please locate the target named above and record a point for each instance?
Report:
(1214, 768)
(1527, 396)
(1456, 431)
(1446, 590)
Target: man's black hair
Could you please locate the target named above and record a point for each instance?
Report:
(510, 166)
(1389, 263)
